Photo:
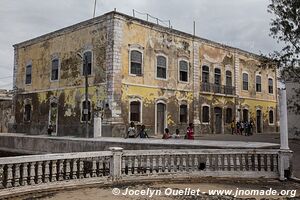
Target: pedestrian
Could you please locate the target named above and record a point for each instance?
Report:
(251, 126)
(131, 131)
(143, 133)
(50, 129)
(190, 132)
(246, 128)
(232, 127)
(176, 135)
(166, 134)
(242, 127)
(238, 127)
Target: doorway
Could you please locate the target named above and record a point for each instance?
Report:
(245, 115)
(160, 118)
(258, 121)
(218, 120)
(53, 117)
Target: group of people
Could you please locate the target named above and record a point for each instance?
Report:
(132, 133)
(241, 128)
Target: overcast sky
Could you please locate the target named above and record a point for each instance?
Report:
(239, 23)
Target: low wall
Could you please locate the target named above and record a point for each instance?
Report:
(29, 144)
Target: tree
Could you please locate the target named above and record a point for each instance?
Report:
(285, 28)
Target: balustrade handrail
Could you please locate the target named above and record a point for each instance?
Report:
(57, 156)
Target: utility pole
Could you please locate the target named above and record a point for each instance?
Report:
(86, 110)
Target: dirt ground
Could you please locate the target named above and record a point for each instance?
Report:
(170, 190)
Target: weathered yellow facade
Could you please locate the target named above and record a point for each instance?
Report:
(120, 96)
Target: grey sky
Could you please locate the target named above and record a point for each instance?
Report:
(239, 23)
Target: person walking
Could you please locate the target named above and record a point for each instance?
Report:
(143, 133)
(131, 131)
(233, 127)
(238, 127)
(190, 132)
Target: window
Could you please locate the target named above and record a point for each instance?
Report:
(28, 74)
(136, 62)
(87, 63)
(27, 113)
(135, 111)
(258, 83)
(86, 111)
(228, 115)
(205, 74)
(183, 113)
(245, 115)
(161, 67)
(217, 76)
(54, 69)
(183, 71)
(271, 117)
(270, 83)
(205, 114)
(245, 81)
(228, 78)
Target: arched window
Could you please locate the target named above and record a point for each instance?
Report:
(86, 111)
(161, 67)
(87, 63)
(136, 60)
(245, 81)
(228, 115)
(183, 113)
(228, 78)
(205, 114)
(217, 76)
(205, 74)
(28, 74)
(271, 117)
(135, 111)
(27, 112)
(258, 83)
(183, 71)
(54, 69)
(270, 83)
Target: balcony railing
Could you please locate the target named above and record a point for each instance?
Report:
(215, 88)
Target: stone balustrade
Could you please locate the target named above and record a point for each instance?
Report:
(119, 164)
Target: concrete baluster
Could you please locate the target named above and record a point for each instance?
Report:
(160, 164)
(9, 176)
(172, 163)
(275, 162)
(226, 166)
(148, 165)
(219, 162)
(67, 169)
(196, 163)
(262, 162)
(268, 162)
(32, 173)
(154, 165)
(116, 163)
(47, 171)
(80, 169)
(249, 162)
(178, 163)
(135, 160)
(60, 170)
(39, 172)
(1, 176)
(231, 162)
(74, 168)
(123, 166)
(238, 162)
(208, 163)
(184, 164)
(244, 168)
(17, 175)
(256, 167)
(53, 170)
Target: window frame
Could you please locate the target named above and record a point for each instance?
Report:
(81, 111)
(208, 72)
(258, 75)
(159, 78)
(188, 70)
(226, 115)
(142, 62)
(205, 105)
(83, 62)
(271, 93)
(187, 113)
(30, 74)
(247, 81)
(58, 70)
(218, 74)
(226, 76)
(140, 109)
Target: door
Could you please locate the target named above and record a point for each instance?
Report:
(218, 120)
(160, 121)
(53, 117)
(245, 115)
(258, 121)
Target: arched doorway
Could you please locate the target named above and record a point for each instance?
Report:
(160, 117)
(218, 120)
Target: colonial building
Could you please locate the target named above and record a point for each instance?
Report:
(5, 110)
(142, 72)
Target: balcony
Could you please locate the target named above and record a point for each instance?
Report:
(219, 89)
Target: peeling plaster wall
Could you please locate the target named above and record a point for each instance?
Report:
(5, 115)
